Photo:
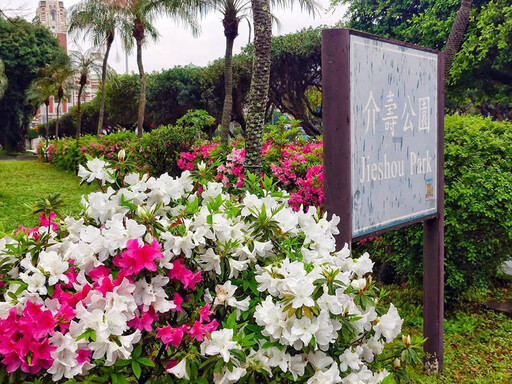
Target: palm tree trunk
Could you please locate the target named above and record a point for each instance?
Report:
(110, 39)
(228, 90)
(47, 123)
(142, 96)
(57, 121)
(258, 94)
(457, 32)
(79, 114)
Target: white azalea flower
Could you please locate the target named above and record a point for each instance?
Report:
(180, 370)
(220, 343)
(389, 325)
(95, 169)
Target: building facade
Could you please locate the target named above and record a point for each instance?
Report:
(53, 15)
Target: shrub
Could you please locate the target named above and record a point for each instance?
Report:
(159, 278)
(478, 201)
(155, 152)
(162, 146)
(478, 207)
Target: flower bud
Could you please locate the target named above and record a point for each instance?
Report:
(396, 364)
(121, 155)
(406, 340)
(201, 166)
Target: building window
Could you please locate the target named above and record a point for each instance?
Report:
(54, 15)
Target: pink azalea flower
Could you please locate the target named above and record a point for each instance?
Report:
(136, 258)
(84, 355)
(185, 276)
(204, 313)
(44, 222)
(177, 299)
(170, 335)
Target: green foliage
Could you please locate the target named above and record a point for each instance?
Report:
(24, 48)
(68, 121)
(157, 150)
(478, 208)
(163, 146)
(477, 340)
(122, 100)
(32, 134)
(481, 76)
(66, 155)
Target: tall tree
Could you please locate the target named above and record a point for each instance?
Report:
(98, 20)
(40, 92)
(62, 76)
(457, 32)
(142, 14)
(84, 63)
(258, 94)
(234, 11)
(24, 48)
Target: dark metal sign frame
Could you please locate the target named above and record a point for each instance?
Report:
(338, 168)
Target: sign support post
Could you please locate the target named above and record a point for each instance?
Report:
(433, 252)
(388, 171)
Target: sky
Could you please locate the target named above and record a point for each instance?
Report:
(177, 46)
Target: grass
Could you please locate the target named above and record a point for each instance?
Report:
(24, 182)
(478, 341)
(15, 154)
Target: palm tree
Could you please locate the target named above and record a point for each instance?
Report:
(40, 92)
(62, 78)
(142, 14)
(83, 64)
(234, 11)
(98, 20)
(258, 94)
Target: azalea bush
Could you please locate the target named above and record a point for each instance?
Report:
(296, 162)
(478, 201)
(164, 280)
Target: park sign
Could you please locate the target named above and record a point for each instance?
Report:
(393, 129)
(383, 113)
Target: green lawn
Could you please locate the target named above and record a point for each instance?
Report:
(478, 341)
(24, 182)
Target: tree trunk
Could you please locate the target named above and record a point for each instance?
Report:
(230, 23)
(79, 114)
(258, 94)
(110, 39)
(138, 34)
(228, 89)
(47, 103)
(457, 32)
(57, 121)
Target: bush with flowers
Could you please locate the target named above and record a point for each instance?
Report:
(170, 280)
(155, 152)
(294, 161)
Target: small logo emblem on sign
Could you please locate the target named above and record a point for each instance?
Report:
(430, 189)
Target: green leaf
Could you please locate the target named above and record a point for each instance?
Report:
(145, 361)
(136, 369)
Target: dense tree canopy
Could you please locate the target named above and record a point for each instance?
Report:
(481, 76)
(24, 48)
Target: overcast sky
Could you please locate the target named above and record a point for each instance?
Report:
(177, 46)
